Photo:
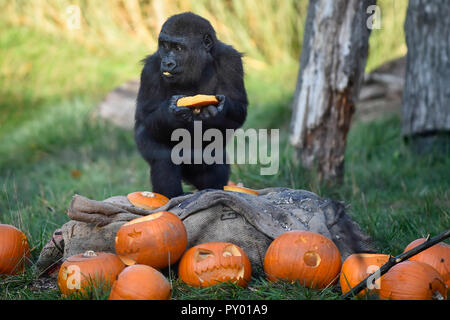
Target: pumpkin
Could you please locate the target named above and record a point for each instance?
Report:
(359, 266)
(437, 256)
(147, 200)
(199, 100)
(311, 258)
(140, 282)
(157, 240)
(89, 269)
(411, 280)
(240, 189)
(14, 250)
(214, 262)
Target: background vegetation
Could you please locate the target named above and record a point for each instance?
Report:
(51, 145)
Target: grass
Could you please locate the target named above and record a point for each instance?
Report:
(52, 146)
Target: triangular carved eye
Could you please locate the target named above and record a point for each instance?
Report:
(202, 254)
(230, 251)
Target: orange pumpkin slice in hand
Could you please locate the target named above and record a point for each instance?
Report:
(199, 100)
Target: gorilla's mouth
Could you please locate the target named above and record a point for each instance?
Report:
(170, 76)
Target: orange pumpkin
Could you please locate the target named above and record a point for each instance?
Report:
(199, 100)
(14, 250)
(141, 282)
(156, 240)
(311, 258)
(437, 256)
(411, 280)
(147, 200)
(81, 271)
(214, 262)
(359, 266)
(240, 189)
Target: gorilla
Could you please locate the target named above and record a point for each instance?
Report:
(190, 60)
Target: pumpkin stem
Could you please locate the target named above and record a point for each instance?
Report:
(89, 253)
(148, 194)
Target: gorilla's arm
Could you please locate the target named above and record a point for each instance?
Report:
(230, 74)
(152, 107)
(152, 131)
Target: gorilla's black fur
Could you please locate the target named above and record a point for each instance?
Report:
(190, 60)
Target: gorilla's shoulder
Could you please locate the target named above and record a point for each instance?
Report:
(228, 57)
(151, 66)
(152, 60)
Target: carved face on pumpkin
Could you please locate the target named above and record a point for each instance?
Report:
(211, 263)
(156, 240)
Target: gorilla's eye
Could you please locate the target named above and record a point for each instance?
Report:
(178, 47)
(165, 45)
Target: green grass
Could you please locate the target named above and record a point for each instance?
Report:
(37, 70)
(50, 85)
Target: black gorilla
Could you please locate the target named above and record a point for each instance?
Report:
(190, 60)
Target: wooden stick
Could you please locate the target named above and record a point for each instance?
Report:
(395, 260)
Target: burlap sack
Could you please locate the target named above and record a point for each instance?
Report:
(246, 220)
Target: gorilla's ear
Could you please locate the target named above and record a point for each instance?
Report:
(207, 42)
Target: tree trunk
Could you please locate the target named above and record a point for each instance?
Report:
(426, 94)
(332, 63)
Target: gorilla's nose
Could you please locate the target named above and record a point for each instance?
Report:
(168, 65)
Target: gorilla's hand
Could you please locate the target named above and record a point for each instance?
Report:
(212, 110)
(184, 113)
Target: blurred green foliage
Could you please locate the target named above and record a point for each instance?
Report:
(43, 59)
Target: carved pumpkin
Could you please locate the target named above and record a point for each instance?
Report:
(147, 200)
(156, 240)
(141, 282)
(437, 256)
(411, 280)
(214, 262)
(359, 266)
(311, 258)
(240, 189)
(81, 271)
(14, 250)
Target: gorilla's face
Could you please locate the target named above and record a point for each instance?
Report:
(183, 58)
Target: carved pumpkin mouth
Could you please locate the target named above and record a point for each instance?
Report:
(220, 274)
(312, 259)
